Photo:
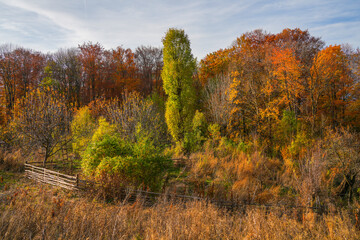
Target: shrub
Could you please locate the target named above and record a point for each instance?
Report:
(195, 139)
(82, 128)
(142, 164)
(104, 143)
(342, 157)
(216, 100)
(287, 126)
(108, 146)
(116, 162)
(12, 161)
(133, 110)
(236, 176)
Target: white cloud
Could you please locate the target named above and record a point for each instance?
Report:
(210, 24)
(67, 21)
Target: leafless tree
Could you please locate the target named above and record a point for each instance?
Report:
(42, 121)
(134, 110)
(66, 72)
(149, 62)
(343, 161)
(310, 184)
(216, 100)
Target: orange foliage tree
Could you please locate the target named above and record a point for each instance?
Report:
(271, 73)
(124, 73)
(330, 86)
(20, 70)
(91, 57)
(214, 64)
(249, 72)
(286, 78)
(107, 73)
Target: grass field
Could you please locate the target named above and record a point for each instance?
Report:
(34, 211)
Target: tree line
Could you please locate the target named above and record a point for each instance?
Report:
(271, 115)
(264, 81)
(82, 74)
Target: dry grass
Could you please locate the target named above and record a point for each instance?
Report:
(49, 213)
(12, 161)
(237, 177)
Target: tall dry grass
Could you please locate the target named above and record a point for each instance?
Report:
(240, 177)
(12, 161)
(51, 214)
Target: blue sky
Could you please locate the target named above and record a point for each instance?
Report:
(47, 25)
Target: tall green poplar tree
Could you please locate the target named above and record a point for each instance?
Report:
(177, 73)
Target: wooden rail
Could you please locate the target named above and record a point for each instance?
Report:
(149, 198)
(44, 175)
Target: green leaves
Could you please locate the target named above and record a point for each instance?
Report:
(82, 128)
(179, 66)
(133, 163)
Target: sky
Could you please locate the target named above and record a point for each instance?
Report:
(48, 25)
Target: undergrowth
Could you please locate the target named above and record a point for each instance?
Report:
(49, 213)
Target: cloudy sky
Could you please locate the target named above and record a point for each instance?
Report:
(47, 25)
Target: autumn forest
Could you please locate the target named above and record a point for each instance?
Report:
(271, 120)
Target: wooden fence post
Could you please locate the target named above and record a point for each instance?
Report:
(77, 180)
(71, 165)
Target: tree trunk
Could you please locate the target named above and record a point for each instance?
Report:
(45, 157)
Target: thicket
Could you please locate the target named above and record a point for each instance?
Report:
(116, 162)
(274, 118)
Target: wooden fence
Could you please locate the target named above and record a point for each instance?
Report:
(150, 198)
(44, 175)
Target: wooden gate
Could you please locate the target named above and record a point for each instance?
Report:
(44, 175)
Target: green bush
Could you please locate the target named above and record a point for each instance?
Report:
(110, 158)
(195, 139)
(107, 146)
(134, 170)
(287, 128)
